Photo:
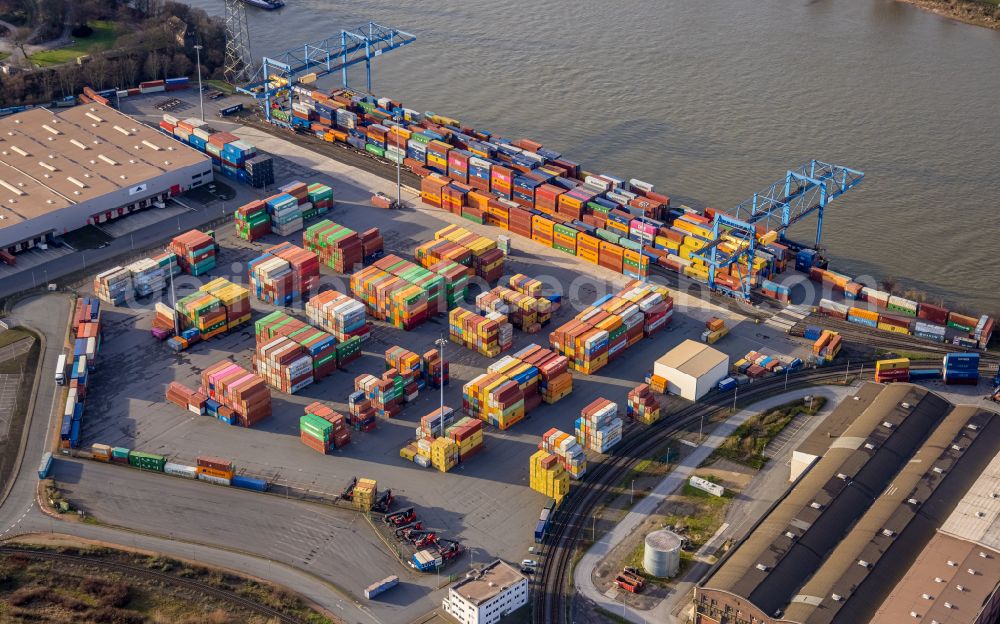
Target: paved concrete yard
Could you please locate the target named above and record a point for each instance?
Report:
(485, 503)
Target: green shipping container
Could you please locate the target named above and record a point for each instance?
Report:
(120, 452)
(146, 461)
(316, 426)
(607, 235)
(375, 149)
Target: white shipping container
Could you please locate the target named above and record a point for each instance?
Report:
(906, 304)
(826, 304)
(618, 197)
(213, 479)
(180, 470)
(645, 187)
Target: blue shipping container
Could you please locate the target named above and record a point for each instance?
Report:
(961, 361)
(923, 374)
(45, 466)
(249, 483)
(540, 529)
(377, 588)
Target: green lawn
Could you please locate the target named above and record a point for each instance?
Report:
(221, 85)
(103, 38)
(746, 445)
(4, 55)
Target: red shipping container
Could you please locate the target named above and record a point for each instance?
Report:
(932, 313)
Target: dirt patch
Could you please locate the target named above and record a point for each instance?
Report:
(692, 514)
(36, 589)
(729, 475)
(747, 444)
(978, 13)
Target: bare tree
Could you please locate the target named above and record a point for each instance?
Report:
(67, 75)
(154, 65)
(49, 81)
(130, 71)
(19, 38)
(95, 71)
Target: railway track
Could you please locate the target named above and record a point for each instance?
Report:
(204, 588)
(552, 601)
(852, 332)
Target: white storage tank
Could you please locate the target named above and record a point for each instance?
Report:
(662, 554)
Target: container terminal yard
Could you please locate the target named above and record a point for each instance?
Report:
(200, 352)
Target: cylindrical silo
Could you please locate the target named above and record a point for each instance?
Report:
(662, 554)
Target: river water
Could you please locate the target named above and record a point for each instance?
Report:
(712, 101)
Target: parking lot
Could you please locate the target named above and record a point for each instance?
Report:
(485, 503)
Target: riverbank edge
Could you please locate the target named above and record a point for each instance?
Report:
(965, 11)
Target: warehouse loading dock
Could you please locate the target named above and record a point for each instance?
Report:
(63, 170)
(692, 369)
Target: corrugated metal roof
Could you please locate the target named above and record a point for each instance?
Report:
(977, 516)
(53, 159)
(858, 502)
(940, 576)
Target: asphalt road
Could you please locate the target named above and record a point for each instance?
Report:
(259, 543)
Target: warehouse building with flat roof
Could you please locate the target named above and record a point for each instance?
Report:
(485, 596)
(63, 169)
(692, 369)
(896, 462)
(956, 578)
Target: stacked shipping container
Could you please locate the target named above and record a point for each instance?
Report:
(603, 331)
(195, 252)
(229, 154)
(339, 248)
(252, 220)
(489, 335)
(961, 368)
(525, 312)
(599, 427)
(897, 369)
(243, 392)
(338, 314)
(284, 274)
(217, 307)
(291, 354)
(642, 405)
(321, 428)
(548, 476)
(567, 449)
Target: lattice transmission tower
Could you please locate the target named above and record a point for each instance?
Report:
(239, 68)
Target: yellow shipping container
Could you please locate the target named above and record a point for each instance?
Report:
(893, 364)
(894, 328)
(666, 243)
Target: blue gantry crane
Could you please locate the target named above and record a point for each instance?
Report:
(802, 192)
(351, 47)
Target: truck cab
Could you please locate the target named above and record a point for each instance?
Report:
(60, 376)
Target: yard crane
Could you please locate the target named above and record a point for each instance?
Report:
(767, 216)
